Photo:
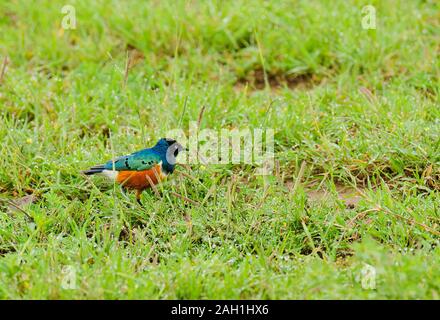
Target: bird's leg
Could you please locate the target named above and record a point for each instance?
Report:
(138, 197)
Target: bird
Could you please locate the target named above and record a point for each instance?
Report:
(142, 169)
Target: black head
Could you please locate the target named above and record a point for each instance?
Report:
(164, 143)
(169, 141)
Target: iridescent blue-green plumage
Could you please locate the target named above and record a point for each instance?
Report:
(142, 160)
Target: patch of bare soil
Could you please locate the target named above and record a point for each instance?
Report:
(349, 195)
(257, 79)
(19, 203)
(135, 56)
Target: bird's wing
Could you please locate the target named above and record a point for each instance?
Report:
(138, 161)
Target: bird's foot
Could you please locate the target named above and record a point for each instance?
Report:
(138, 197)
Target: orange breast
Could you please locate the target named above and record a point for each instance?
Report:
(138, 179)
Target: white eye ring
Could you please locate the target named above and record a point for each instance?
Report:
(171, 157)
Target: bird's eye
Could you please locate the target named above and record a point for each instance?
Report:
(176, 152)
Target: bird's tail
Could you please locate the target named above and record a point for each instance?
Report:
(93, 170)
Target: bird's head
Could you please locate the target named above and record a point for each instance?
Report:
(168, 149)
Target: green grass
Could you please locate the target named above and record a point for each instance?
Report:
(360, 108)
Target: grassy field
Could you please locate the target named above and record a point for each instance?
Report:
(358, 110)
